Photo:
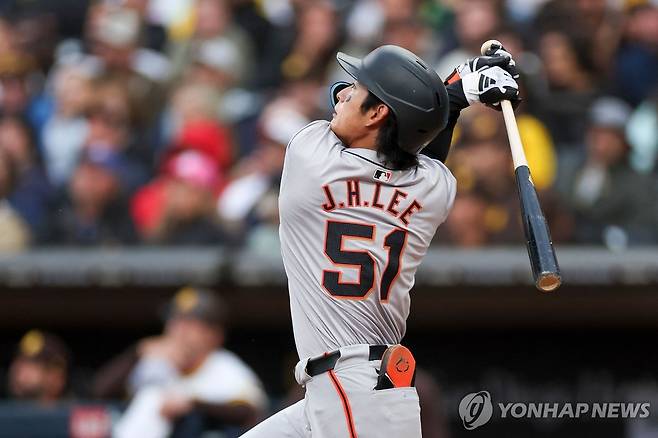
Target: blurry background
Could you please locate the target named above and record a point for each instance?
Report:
(141, 145)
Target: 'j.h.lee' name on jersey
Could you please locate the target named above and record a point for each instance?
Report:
(359, 194)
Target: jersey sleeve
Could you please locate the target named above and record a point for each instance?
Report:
(443, 186)
(440, 146)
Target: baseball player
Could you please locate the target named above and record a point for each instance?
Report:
(361, 198)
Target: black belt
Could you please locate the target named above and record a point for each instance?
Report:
(327, 362)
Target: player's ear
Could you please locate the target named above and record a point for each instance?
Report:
(378, 114)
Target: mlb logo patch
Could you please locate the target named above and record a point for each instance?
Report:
(382, 175)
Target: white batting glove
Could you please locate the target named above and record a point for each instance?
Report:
(496, 56)
(511, 64)
(489, 86)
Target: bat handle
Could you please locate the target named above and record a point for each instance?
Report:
(518, 155)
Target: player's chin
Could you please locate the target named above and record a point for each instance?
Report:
(335, 125)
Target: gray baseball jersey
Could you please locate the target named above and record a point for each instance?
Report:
(353, 233)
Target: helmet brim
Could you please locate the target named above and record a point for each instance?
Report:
(350, 64)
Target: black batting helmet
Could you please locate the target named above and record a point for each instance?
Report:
(412, 90)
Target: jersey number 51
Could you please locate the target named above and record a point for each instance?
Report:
(336, 234)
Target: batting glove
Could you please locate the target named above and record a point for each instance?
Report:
(497, 50)
(489, 86)
(496, 56)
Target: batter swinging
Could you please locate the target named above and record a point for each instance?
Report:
(359, 205)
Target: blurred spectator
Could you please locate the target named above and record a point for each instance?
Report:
(466, 226)
(636, 62)
(366, 22)
(39, 370)
(523, 11)
(35, 31)
(489, 165)
(188, 217)
(598, 24)
(475, 22)
(15, 234)
(177, 208)
(571, 86)
(160, 20)
(113, 35)
(213, 66)
(307, 49)
(603, 21)
(207, 137)
(96, 212)
(162, 210)
(614, 204)
(249, 201)
(414, 35)
(7, 38)
(184, 380)
(112, 128)
(642, 133)
(252, 17)
(32, 195)
(192, 124)
(153, 33)
(65, 127)
(215, 63)
(217, 42)
(110, 116)
(15, 68)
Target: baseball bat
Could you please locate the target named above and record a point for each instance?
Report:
(545, 269)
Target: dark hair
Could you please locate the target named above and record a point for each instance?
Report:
(387, 139)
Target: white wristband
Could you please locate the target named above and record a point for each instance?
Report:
(470, 86)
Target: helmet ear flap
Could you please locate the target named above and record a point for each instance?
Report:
(334, 90)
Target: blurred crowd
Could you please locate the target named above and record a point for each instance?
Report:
(180, 383)
(164, 122)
